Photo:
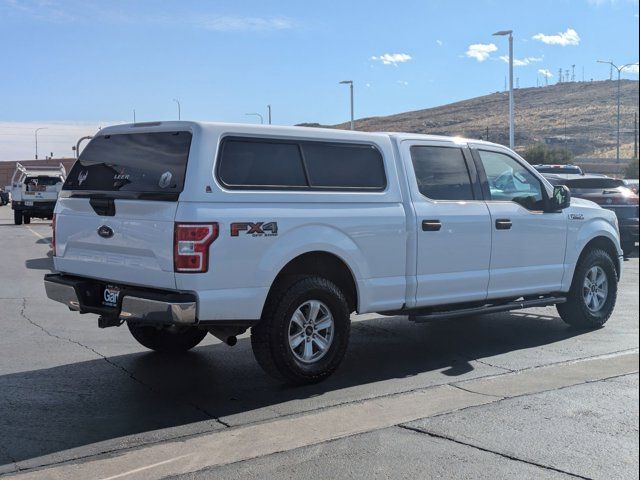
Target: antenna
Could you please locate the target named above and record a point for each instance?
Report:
(573, 73)
(583, 74)
(517, 82)
(566, 76)
(560, 75)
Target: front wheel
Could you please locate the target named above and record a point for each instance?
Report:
(170, 339)
(593, 291)
(304, 332)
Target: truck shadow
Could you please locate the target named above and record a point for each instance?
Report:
(67, 406)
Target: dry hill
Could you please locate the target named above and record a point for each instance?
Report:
(578, 115)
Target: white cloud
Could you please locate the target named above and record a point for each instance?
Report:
(568, 37)
(633, 69)
(480, 51)
(229, 23)
(439, 42)
(392, 58)
(545, 72)
(521, 62)
(404, 83)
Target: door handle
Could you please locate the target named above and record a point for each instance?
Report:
(431, 225)
(503, 224)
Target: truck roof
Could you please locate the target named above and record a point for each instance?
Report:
(317, 132)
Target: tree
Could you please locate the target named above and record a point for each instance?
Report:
(632, 169)
(543, 154)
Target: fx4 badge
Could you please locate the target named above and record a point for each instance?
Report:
(576, 216)
(259, 229)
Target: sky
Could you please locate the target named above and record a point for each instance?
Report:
(77, 65)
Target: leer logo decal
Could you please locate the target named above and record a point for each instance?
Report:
(259, 229)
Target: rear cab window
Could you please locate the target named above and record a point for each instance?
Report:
(133, 164)
(441, 173)
(256, 163)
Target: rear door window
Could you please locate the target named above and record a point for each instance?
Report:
(138, 163)
(441, 173)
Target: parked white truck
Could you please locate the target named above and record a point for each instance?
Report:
(34, 191)
(184, 228)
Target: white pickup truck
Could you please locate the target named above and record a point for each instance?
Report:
(34, 191)
(184, 228)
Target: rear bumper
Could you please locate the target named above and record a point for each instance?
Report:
(629, 230)
(135, 304)
(44, 208)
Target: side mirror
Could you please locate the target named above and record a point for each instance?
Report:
(561, 198)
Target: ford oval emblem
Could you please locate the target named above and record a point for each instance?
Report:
(105, 231)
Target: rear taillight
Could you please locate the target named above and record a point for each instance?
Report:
(53, 234)
(191, 246)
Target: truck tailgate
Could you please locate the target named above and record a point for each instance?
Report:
(139, 252)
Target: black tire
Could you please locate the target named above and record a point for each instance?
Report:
(575, 311)
(26, 219)
(17, 217)
(270, 337)
(167, 339)
(628, 248)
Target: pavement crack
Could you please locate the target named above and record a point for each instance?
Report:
(131, 375)
(494, 452)
(499, 397)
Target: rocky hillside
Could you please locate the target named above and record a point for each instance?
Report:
(578, 115)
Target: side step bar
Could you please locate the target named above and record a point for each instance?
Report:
(503, 307)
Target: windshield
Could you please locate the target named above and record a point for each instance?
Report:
(593, 183)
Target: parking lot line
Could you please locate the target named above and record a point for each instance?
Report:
(283, 434)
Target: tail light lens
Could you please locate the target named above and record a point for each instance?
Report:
(191, 246)
(53, 234)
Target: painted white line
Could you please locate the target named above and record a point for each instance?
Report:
(39, 236)
(283, 434)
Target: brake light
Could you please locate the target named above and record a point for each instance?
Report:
(53, 234)
(191, 246)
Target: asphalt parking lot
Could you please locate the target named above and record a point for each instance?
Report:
(511, 394)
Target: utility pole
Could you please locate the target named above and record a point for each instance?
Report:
(573, 73)
(269, 113)
(350, 83)
(178, 102)
(134, 115)
(619, 69)
(509, 33)
(635, 135)
(487, 136)
(560, 75)
(36, 135)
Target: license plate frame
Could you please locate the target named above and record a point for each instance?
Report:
(28, 203)
(111, 296)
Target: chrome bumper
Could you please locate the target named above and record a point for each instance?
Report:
(134, 306)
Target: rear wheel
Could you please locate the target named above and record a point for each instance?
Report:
(17, 217)
(170, 339)
(593, 291)
(303, 334)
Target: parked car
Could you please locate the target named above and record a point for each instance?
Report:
(182, 228)
(559, 169)
(34, 191)
(611, 194)
(4, 197)
(632, 184)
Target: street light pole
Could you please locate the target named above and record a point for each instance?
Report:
(36, 135)
(619, 69)
(269, 110)
(178, 102)
(258, 115)
(509, 33)
(350, 83)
